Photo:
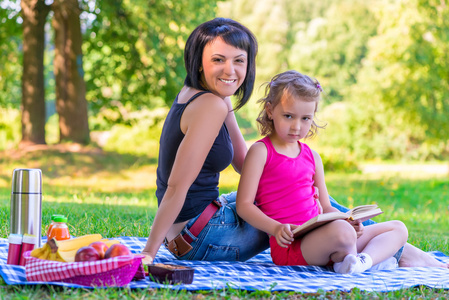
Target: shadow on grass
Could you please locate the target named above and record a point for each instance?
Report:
(109, 218)
(66, 160)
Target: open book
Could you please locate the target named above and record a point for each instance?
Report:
(362, 213)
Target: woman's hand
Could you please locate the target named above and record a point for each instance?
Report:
(317, 199)
(358, 226)
(283, 235)
(148, 259)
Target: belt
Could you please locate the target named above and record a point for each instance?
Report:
(202, 220)
(180, 245)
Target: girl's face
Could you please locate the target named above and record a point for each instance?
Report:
(292, 118)
(224, 67)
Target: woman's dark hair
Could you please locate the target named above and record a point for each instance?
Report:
(232, 33)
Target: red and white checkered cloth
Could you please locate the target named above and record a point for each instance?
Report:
(47, 270)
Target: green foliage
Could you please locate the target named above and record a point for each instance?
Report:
(384, 61)
(331, 48)
(134, 52)
(142, 138)
(9, 128)
(338, 160)
(399, 108)
(52, 130)
(10, 55)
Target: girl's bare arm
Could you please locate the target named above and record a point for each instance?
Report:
(246, 194)
(238, 142)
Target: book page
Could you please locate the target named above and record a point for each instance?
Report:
(318, 221)
(362, 213)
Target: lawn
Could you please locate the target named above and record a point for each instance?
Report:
(113, 194)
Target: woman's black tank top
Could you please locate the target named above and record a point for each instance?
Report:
(205, 187)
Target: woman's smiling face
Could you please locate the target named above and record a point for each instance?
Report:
(224, 67)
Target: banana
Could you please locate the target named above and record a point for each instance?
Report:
(36, 252)
(68, 256)
(110, 242)
(41, 253)
(78, 242)
(54, 253)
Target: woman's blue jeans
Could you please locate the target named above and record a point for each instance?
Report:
(228, 238)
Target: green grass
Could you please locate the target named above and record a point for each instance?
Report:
(113, 194)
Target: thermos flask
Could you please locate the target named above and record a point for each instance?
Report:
(26, 203)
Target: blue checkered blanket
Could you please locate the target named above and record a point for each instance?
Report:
(259, 273)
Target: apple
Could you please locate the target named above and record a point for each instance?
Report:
(100, 247)
(117, 250)
(86, 254)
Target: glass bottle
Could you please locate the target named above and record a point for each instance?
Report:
(59, 231)
(51, 224)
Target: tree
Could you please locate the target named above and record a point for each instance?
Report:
(70, 86)
(406, 74)
(71, 103)
(34, 13)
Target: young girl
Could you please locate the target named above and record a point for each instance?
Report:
(284, 176)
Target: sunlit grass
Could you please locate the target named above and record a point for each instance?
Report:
(114, 195)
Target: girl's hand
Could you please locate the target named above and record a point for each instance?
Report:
(283, 235)
(358, 226)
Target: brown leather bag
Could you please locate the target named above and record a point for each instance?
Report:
(178, 246)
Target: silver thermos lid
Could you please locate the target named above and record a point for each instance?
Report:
(27, 181)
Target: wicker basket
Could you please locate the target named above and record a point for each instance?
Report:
(115, 277)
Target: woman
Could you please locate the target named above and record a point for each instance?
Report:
(200, 138)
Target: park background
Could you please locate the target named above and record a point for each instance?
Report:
(383, 65)
(85, 87)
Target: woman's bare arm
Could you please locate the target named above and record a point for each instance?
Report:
(202, 120)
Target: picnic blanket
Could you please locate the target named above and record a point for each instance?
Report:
(259, 273)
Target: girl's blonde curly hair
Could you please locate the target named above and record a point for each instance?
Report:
(296, 85)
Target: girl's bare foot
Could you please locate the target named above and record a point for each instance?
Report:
(415, 257)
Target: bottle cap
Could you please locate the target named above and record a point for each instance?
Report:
(60, 219)
(27, 181)
(54, 216)
(15, 239)
(29, 239)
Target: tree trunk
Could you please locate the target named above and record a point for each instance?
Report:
(71, 104)
(34, 14)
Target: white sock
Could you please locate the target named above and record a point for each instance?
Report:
(388, 264)
(347, 265)
(354, 264)
(364, 262)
